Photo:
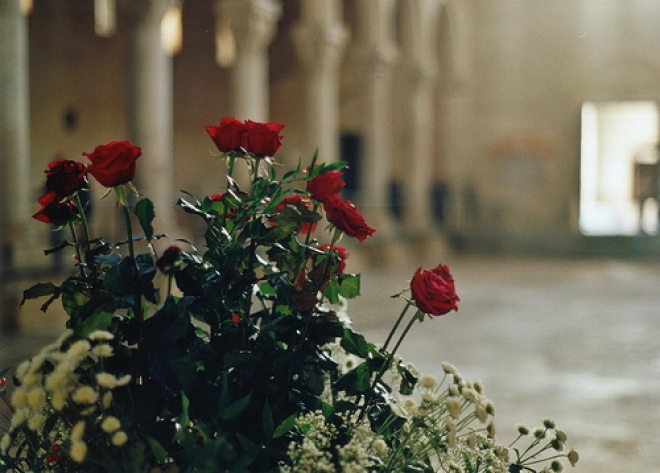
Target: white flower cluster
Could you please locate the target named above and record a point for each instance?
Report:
(440, 419)
(50, 383)
(319, 450)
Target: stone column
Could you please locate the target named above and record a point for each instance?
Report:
(151, 110)
(372, 60)
(17, 189)
(418, 70)
(320, 38)
(253, 26)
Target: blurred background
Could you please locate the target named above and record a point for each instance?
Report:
(515, 139)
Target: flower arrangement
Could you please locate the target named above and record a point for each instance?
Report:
(245, 359)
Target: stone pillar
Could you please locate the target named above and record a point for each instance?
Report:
(372, 60)
(320, 38)
(151, 110)
(17, 202)
(253, 26)
(418, 70)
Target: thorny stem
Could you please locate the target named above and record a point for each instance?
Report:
(74, 236)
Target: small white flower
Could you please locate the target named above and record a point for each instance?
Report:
(58, 400)
(19, 417)
(448, 368)
(78, 431)
(119, 438)
(451, 440)
(55, 381)
(107, 400)
(428, 381)
(124, 380)
(22, 369)
(428, 398)
(454, 406)
(78, 451)
(110, 424)
(30, 380)
(491, 429)
(79, 349)
(36, 399)
(103, 350)
(380, 447)
(101, 335)
(19, 398)
(573, 457)
(549, 423)
(106, 380)
(85, 395)
(5, 442)
(36, 422)
(481, 413)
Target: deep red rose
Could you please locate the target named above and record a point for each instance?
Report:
(347, 218)
(216, 197)
(339, 252)
(325, 185)
(113, 164)
(229, 135)
(294, 201)
(236, 318)
(169, 257)
(64, 177)
(263, 139)
(433, 290)
(56, 211)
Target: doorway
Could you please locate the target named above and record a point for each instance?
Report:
(619, 178)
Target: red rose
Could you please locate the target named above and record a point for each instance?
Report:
(64, 177)
(55, 210)
(294, 201)
(113, 164)
(229, 135)
(347, 218)
(216, 197)
(339, 252)
(433, 291)
(325, 185)
(263, 139)
(169, 257)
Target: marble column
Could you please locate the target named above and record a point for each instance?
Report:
(17, 202)
(253, 26)
(416, 89)
(320, 38)
(372, 59)
(151, 110)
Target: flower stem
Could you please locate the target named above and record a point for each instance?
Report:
(396, 325)
(137, 306)
(129, 231)
(74, 236)
(83, 219)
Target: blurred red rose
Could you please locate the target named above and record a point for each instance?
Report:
(339, 252)
(325, 185)
(263, 139)
(294, 201)
(64, 177)
(169, 257)
(433, 291)
(113, 164)
(347, 218)
(229, 135)
(55, 209)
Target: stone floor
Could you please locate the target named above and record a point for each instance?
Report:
(577, 341)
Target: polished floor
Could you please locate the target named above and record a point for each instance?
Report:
(577, 341)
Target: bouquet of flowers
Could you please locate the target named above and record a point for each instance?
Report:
(244, 359)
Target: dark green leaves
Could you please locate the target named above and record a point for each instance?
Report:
(144, 210)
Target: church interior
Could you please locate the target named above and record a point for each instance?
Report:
(515, 139)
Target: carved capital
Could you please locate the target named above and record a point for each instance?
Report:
(252, 22)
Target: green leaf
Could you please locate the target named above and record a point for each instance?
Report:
(356, 381)
(39, 290)
(349, 285)
(157, 449)
(144, 210)
(285, 426)
(356, 344)
(267, 420)
(332, 292)
(235, 408)
(98, 321)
